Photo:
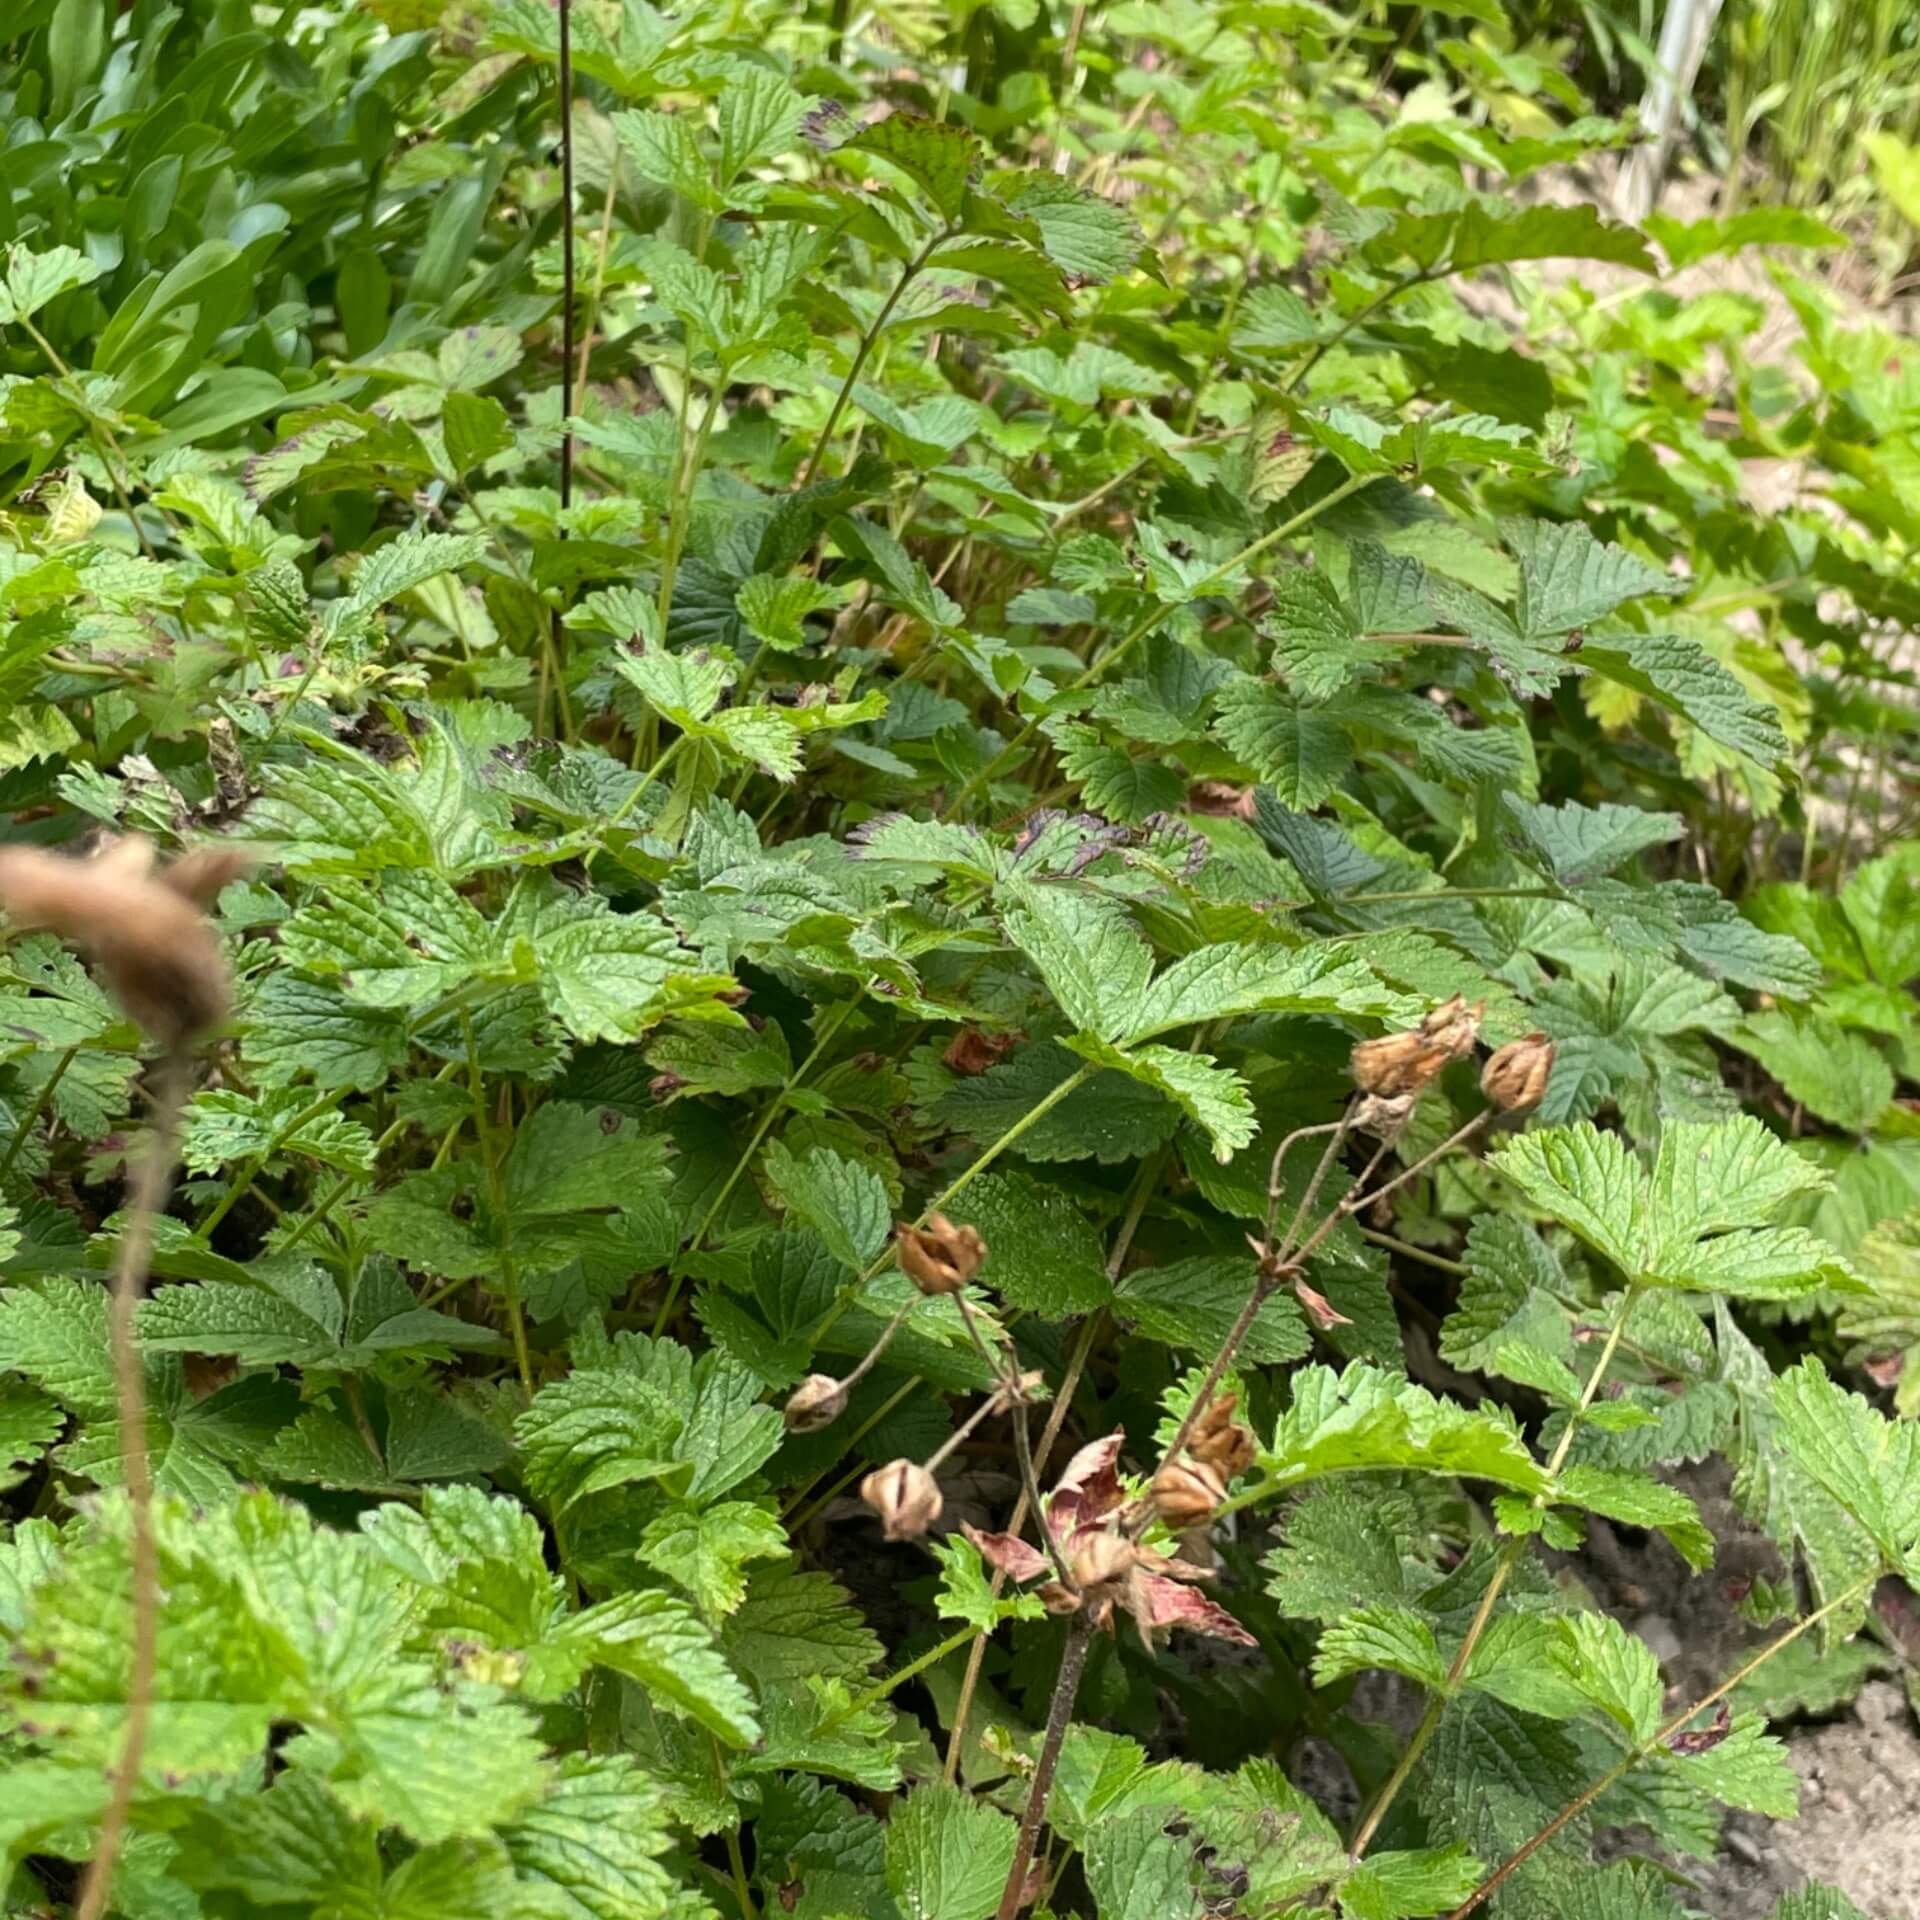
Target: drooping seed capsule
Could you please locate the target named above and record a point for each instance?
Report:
(1515, 1078)
(1400, 1066)
(905, 1496)
(145, 931)
(1186, 1492)
(939, 1257)
(1102, 1560)
(818, 1401)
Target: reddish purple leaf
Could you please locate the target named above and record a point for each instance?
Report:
(1166, 1603)
(1014, 1558)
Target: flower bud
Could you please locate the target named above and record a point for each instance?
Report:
(1186, 1492)
(1104, 1560)
(905, 1496)
(818, 1401)
(1515, 1078)
(939, 1257)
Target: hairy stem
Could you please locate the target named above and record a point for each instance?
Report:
(1635, 1755)
(1073, 1663)
(152, 1181)
(1262, 1291)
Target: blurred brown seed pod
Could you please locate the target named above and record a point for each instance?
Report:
(905, 1496)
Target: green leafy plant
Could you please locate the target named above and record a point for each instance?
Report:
(888, 944)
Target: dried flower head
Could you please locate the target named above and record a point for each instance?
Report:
(939, 1257)
(974, 1051)
(1186, 1492)
(1383, 1118)
(818, 1401)
(1396, 1066)
(1454, 1027)
(1103, 1560)
(1515, 1078)
(1219, 1441)
(905, 1496)
(1401, 1066)
(145, 930)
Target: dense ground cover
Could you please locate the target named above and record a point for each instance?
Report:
(1019, 797)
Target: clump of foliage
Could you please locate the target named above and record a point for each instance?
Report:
(1020, 908)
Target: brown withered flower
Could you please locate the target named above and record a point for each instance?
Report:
(1187, 1492)
(1221, 1442)
(1401, 1066)
(1087, 1506)
(905, 1496)
(1454, 1027)
(973, 1051)
(144, 928)
(1103, 1560)
(1515, 1077)
(939, 1257)
(818, 1401)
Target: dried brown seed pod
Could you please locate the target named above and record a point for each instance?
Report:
(144, 931)
(818, 1401)
(1102, 1560)
(1515, 1078)
(1454, 1027)
(905, 1496)
(1186, 1492)
(1400, 1066)
(1383, 1118)
(939, 1257)
(1221, 1442)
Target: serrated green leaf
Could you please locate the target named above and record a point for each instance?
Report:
(948, 1855)
(844, 1202)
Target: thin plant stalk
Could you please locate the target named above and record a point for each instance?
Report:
(1635, 1755)
(152, 1182)
(1066, 1687)
(563, 83)
(1496, 1585)
(860, 353)
(1056, 1419)
(41, 1101)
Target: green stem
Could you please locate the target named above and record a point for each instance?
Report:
(41, 1100)
(257, 1162)
(497, 1199)
(1142, 628)
(1357, 318)
(860, 353)
(775, 1107)
(680, 515)
(1502, 1572)
(911, 1671)
(618, 817)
